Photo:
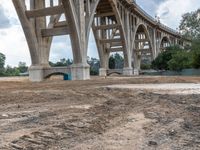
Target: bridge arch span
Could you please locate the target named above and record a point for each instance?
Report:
(164, 43)
(109, 33)
(142, 44)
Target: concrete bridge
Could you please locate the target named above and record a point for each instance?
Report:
(118, 26)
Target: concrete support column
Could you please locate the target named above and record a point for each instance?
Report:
(128, 70)
(136, 72)
(154, 44)
(80, 72)
(102, 72)
(36, 73)
(136, 64)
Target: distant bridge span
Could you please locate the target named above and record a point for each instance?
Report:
(118, 26)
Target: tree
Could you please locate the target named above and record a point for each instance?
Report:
(180, 60)
(9, 71)
(22, 67)
(2, 60)
(190, 25)
(119, 61)
(94, 66)
(62, 63)
(174, 58)
(196, 59)
(112, 62)
(2, 63)
(161, 62)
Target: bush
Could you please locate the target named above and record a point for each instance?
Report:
(174, 58)
(180, 60)
(145, 66)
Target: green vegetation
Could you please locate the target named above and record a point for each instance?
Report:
(2, 63)
(190, 25)
(94, 66)
(9, 71)
(176, 58)
(62, 63)
(116, 61)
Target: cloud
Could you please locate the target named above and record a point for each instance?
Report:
(13, 43)
(4, 21)
(60, 48)
(150, 6)
(171, 11)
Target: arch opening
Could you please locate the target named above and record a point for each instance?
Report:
(165, 43)
(142, 55)
(58, 75)
(60, 53)
(108, 34)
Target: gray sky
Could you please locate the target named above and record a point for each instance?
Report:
(14, 46)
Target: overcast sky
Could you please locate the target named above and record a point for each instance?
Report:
(13, 43)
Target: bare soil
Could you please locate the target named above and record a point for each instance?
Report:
(93, 115)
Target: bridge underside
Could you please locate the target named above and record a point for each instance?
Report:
(118, 26)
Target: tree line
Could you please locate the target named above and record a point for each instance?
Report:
(11, 71)
(175, 58)
(115, 61)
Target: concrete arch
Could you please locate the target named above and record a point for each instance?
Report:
(122, 32)
(137, 61)
(118, 73)
(90, 19)
(55, 73)
(105, 57)
(146, 32)
(164, 37)
(75, 37)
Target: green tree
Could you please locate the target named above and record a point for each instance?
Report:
(174, 58)
(161, 62)
(112, 62)
(196, 59)
(180, 60)
(22, 67)
(94, 66)
(62, 63)
(119, 61)
(190, 25)
(2, 63)
(9, 71)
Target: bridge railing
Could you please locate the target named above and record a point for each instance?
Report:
(152, 19)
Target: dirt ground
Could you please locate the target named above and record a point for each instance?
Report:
(100, 114)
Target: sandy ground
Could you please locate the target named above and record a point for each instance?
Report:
(116, 113)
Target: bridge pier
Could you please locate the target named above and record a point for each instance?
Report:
(136, 72)
(80, 72)
(36, 73)
(102, 72)
(128, 71)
